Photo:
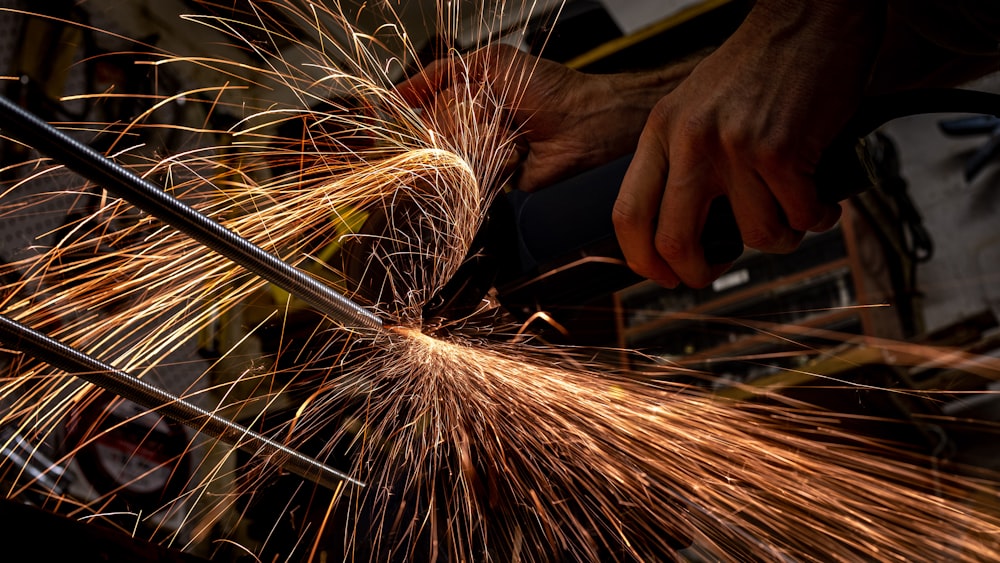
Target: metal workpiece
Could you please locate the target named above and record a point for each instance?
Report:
(19, 124)
(57, 354)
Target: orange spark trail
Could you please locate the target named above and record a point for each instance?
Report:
(473, 448)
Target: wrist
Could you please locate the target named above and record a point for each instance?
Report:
(816, 41)
(635, 93)
(644, 89)
(626, 100)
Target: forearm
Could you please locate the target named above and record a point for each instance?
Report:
(627, 99)
(641, 90)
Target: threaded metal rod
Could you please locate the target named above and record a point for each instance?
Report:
(57, 354)
(25, 127)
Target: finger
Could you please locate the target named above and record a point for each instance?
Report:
(683, 210)
(831, 215)
(443, 112)
(499, 65)
(464, 108)
(420, 89)
(636, 209)
(762, 221)
(481, 66)
(795, 191)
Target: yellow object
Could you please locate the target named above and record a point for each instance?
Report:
(615, 45)
(347, 222)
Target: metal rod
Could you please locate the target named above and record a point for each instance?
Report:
(55, 353)
(25, 127)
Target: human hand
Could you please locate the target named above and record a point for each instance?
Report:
(565, 121)
(749, 124)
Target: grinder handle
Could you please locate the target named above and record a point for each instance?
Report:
(571, 220)
(564, 234)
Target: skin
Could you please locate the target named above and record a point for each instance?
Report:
(748, 121)
(567, 120)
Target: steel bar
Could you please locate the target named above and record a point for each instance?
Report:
(25, 127)
(57, 354)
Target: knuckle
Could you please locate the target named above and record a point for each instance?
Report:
(736, 141)
(764, 237)
(670, 246)
(624, 214)
(772, 155)
(776, 148)
(667, 115)
(658, 120)
(691, 126)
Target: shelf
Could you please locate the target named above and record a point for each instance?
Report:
(777, 312)
(743, 299)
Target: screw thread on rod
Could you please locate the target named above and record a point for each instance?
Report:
(73, 361)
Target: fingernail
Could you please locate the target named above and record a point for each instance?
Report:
(668, 283)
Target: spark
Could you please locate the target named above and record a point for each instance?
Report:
(474, 448)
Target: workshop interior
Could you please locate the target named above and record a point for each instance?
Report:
(844, 323)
